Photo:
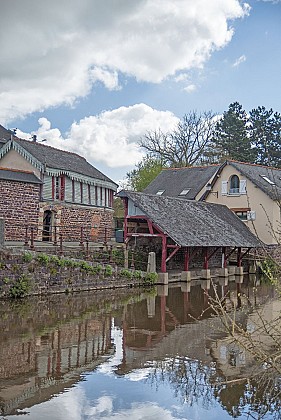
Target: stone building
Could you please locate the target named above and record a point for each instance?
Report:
(53, 190)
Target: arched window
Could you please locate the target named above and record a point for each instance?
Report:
(234, 186)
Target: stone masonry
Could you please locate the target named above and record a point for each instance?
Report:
(19, 205)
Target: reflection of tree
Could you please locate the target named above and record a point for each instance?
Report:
(257, 396)
(189, 379)
(193, 383)
(260, 340)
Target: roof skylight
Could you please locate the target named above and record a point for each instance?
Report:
(184, 192)
(268, 180)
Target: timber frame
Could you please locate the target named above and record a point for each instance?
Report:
(141, 226)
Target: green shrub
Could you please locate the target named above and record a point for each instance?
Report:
(125, 273)
(137, 274)
(150, 278)
(27, 257)
(20, 288)
(43, 258)
(108, 271)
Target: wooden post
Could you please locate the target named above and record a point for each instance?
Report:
(206, 260)
(110, 255)
(105, 236)
(87, 248)
(32, 237)
(186, 259)
(81, 237)
(164, 254)
(239, 259)
(133, 260)
(55, 236)
(26, 236)
(60, 239)
(224, 259)
(126, 258)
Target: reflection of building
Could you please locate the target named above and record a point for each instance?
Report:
(33, 369)
(164, 325)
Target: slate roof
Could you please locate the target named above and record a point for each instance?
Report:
(20, 176)
(57, 158)
(173, 181)
(254, 173)
(194, 223)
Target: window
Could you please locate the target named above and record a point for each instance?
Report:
(268, 180)
(160, 192)
(234, 187)
(184, 192)
(243, 215)
(73, 190)
(89, 193)
(58, 188)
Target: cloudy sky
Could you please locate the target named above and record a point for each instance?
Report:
(93, 76)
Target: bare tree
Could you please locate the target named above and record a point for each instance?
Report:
(186, 145)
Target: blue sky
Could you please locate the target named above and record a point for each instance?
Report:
(92, 77)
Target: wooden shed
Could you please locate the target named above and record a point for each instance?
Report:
(186, 225)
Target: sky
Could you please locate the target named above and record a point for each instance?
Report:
(92, 77)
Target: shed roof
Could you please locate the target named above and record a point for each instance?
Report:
(175, 181)
(57, 158)
(193, 223)
(19, 176)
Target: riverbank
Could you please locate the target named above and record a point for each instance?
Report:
(25, 273)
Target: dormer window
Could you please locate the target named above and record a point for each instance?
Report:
(160, 192)
(234, 186)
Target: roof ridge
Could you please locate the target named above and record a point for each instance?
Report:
(191, 167)
(254, 164)
(50, 147)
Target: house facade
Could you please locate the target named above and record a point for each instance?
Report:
(252, 192)
(52, 190)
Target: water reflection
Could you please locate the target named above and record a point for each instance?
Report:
(168, 351)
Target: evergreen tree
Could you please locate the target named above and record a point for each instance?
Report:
(265, 134)
(231, 139)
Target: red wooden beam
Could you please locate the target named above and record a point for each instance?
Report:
(173, 253)
(164, 254)
(186, 259)
(239, 259)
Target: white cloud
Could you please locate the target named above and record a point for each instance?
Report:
(110, 137)
(190, 88)
(239, 61)
(52, 55)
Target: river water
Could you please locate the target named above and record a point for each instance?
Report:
(136, 354)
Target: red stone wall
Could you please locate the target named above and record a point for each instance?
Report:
(70, 218)
(97, 223)
(19, 205)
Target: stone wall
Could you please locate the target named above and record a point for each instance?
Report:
(19, 205)
(97, 222)
(40, 274)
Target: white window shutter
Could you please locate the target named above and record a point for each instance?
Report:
(251, 215)
(242, 188)
(224, 187)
